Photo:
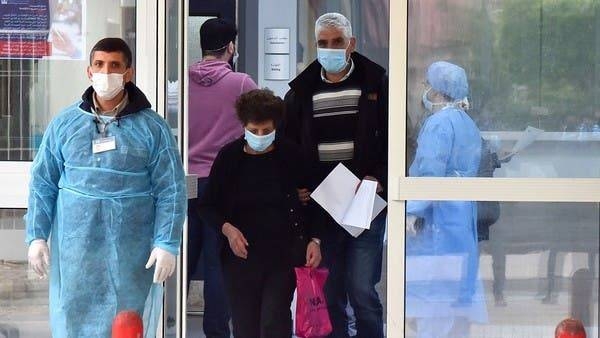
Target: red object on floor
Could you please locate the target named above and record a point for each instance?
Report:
(127, 324)
(570, 328)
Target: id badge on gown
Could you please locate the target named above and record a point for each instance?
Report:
(103, 144)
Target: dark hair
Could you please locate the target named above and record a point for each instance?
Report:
(259, 105)
(216, 33)
(110, 45)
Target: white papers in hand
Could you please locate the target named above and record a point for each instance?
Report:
(351, 209)
(527, 138)
(336, 192)
(360, 210)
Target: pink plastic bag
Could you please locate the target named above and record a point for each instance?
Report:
(312, 317)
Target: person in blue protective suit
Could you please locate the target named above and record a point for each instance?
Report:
(107, 187)
(443, 295)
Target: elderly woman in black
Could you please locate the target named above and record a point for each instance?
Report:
(252, 195)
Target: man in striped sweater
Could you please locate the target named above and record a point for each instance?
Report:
(336, 110)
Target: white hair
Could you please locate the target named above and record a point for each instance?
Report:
(333, 20)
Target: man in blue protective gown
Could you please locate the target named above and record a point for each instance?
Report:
(443, 294)
(108, 189)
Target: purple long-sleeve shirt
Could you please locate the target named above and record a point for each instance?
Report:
(213, 123)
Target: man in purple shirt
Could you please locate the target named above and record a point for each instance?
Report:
(213, 89)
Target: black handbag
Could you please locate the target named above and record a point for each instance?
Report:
(488, 212)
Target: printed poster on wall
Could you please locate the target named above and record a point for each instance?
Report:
(48, 29)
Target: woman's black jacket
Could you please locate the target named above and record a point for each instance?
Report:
(218, 202)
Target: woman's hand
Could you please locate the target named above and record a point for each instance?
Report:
(237, 241)
(313, 254)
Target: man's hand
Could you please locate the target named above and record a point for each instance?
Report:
(237, 241)
(371, 178)
(39, 257)
(313, 254)
(165, 264)
(304, 196)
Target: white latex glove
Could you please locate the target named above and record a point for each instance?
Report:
(410, 225)
(165, 264)
(39, 257)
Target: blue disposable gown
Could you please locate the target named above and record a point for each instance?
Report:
(442, 259)
(104, 213)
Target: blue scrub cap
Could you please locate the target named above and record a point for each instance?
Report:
(448, 79)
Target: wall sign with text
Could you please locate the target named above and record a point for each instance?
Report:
(277, 53)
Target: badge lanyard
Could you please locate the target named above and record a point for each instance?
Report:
(104, 142)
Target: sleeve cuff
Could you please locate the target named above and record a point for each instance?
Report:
(170, 248)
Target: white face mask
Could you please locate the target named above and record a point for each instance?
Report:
(107, 86)
(333, 60)
(430, 106)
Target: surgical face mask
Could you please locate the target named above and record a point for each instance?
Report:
(259, 143)
(332, 60)
(429, 106)
(107, 86)
(426, 102)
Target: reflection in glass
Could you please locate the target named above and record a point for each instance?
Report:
(539, 266)
(530, 64)
(443, 293)
(23, 296)
(33, 90)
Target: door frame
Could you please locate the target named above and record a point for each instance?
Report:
(184, 132)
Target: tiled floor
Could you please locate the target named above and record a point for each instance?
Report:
(24, 306)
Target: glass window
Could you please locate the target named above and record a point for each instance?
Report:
(534, 265)
(42, 72)
(529, 64)
(23, 296)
